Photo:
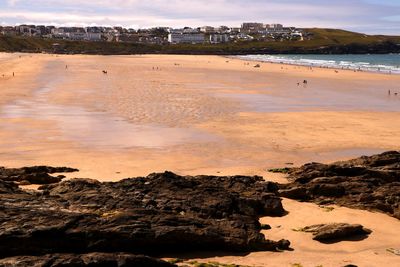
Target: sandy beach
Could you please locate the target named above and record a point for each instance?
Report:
(205, 115)
(188, 114)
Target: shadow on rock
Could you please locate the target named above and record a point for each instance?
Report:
(371, 183)
(160, 213)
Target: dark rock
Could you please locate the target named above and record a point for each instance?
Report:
(163, 212)
(34, 175)
(266, 227)
(371, 183)
(336, 231)
(82, 260)
(299, 193)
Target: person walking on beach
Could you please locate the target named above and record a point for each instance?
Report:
(388, 92)
(13, 74)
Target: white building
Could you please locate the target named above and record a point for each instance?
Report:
(207, 29)
(277, 28)
(189, 38)
(219, 38)
(77, 34)
(93, 36)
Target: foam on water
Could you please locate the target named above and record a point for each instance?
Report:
(387, 63)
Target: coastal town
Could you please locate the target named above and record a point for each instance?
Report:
(248, 31)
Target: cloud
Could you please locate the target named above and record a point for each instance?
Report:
(12, 2)
(362, 15)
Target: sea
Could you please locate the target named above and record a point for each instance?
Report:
(386, 63)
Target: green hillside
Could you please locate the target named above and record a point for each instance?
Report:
(319, 41)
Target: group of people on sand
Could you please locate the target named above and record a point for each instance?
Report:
(390, 93)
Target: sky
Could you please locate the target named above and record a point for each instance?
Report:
(367, 16)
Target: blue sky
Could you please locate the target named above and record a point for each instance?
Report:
(368, 16)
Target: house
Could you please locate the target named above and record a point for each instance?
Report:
(207, 29)
(189, 38)
(243, 36)
(223, 29)
(8, 31)
(219, 38)
(252, 27)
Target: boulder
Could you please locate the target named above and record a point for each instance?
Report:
(371, 183)
(34, 175)
(336, 231)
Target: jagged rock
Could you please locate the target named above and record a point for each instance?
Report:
(299, 193)
(371, 183)
(336, 231)
(34, 175)
(82, 260)
(159, 213)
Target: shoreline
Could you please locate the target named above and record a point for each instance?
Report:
(311, 66)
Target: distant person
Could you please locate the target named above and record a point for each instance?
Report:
(13, 74)
(388, 92)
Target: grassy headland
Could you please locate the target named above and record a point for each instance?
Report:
(322, 41)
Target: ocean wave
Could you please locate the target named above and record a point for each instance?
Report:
(375, 63)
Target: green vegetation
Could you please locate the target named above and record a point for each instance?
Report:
(280, 170)
(327, 209)
(298, 230)
(394, 251)
(320, 41)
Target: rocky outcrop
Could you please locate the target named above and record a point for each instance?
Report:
(163, 212)
(371, 183)
(336, 232)
(34, 175)
(82, 260)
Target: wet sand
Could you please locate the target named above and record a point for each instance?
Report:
(188, 114)
(204, 115)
